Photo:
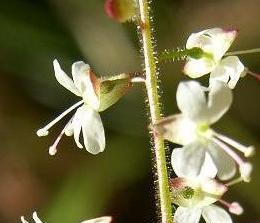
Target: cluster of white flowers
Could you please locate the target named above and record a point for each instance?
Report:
(205, 153)
(105, 219)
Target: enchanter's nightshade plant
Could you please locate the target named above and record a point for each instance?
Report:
(97, 95)
(196, 196)
(105, 219)
(192, 129)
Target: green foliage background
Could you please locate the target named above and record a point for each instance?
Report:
(75, 185)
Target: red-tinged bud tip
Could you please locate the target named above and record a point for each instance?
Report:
(120, 10)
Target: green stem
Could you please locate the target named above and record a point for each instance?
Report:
(256, 50)
(155, 112)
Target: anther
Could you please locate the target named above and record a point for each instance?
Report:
(44, 131)
(234, 207)
(248, 151)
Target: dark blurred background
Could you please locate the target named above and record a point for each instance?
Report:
(75, 185)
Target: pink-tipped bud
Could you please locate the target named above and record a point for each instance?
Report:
(235, 208)
(120, 10)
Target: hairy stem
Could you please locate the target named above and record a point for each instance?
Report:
(155, 112)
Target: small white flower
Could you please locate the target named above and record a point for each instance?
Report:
(192, 129)
(196, 197)
(214, 43)
(86, 118)
(105, 219)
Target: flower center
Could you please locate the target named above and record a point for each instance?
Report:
(188, 192)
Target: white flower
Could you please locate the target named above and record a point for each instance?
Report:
(214, 43)
(105, 219)
(195, 197)
(86, 118)
(192, 129)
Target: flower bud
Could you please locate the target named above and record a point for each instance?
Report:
(120, 10)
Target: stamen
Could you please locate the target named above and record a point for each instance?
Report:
(248, 151)
(44, 131)
(229, 151)
(53, 147)
(36, 218)
(23, 220)
(234, 207)
(245, 170)
(233, 182)
(256, 50)
(255, 75)
(244, 167)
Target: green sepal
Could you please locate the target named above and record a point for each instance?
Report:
(197, 53)
(112, 88)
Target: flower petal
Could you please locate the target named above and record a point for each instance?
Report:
(229, 71)
(188, 161)
(187, 215)
(208, 168)
(87, 83)
(219, 100)
(106, 219)
(224, 163)
(92, 129)
(191, 100)
(215, 214)
(195, 68)
(64, 79)
(76, 124)
(177, 129)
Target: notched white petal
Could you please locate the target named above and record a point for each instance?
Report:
(208, 169)
(188, 161)
(76, 123)
(93, 130)
(225, 164)
(191, 100)
(187, 215)
(214, 214)
(64, 79)
(219, 101)
(87, 83)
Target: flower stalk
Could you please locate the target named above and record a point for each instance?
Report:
(155, 112)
